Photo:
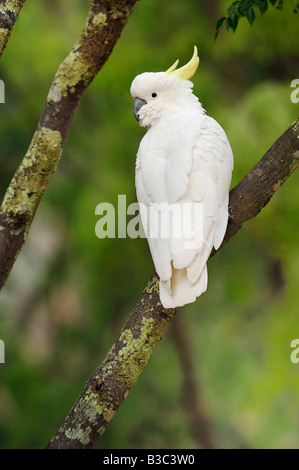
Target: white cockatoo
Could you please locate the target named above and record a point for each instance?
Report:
(184, 161)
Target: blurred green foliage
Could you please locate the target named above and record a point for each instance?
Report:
(70, 293)
(247, 9)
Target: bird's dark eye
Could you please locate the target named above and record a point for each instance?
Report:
(154, 95)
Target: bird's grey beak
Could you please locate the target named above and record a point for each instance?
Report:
(138, 103)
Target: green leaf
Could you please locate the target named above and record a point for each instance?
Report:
(218, 26)
(279, 4)
(228, 23)
(264, 7)
(250, 15)
(245, 4)
(216, 34)
(240, 12)
(231, 10)
(273, 2)
(220, 22)
(234, 21)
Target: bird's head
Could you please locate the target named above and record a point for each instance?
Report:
(161, 93)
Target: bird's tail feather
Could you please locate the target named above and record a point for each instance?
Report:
(182, 290)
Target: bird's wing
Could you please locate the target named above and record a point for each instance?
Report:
(209, 183)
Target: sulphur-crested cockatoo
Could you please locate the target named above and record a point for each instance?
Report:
(183, 173)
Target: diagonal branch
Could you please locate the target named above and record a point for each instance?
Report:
(9, 12)
(105, 22)
(109, 385)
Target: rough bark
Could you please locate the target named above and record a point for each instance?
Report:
(105, 22)
(109, 385)
(9, 12)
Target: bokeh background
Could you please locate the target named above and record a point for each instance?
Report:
(70, 293)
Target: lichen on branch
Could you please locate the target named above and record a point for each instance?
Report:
(112, 381)
(9, 12)
(24, 194)
(32, 177)
(80, 64)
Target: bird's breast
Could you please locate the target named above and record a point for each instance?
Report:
(165, 157)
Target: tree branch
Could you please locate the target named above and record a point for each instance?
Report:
(256, 189)
(105, 22)
(109, 385)
(9, 12)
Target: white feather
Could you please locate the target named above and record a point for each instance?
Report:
(184, 157)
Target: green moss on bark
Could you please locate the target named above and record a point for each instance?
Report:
(8, 15)
(77, 65)
(30, 180)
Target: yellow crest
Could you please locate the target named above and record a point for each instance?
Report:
(188, 70)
